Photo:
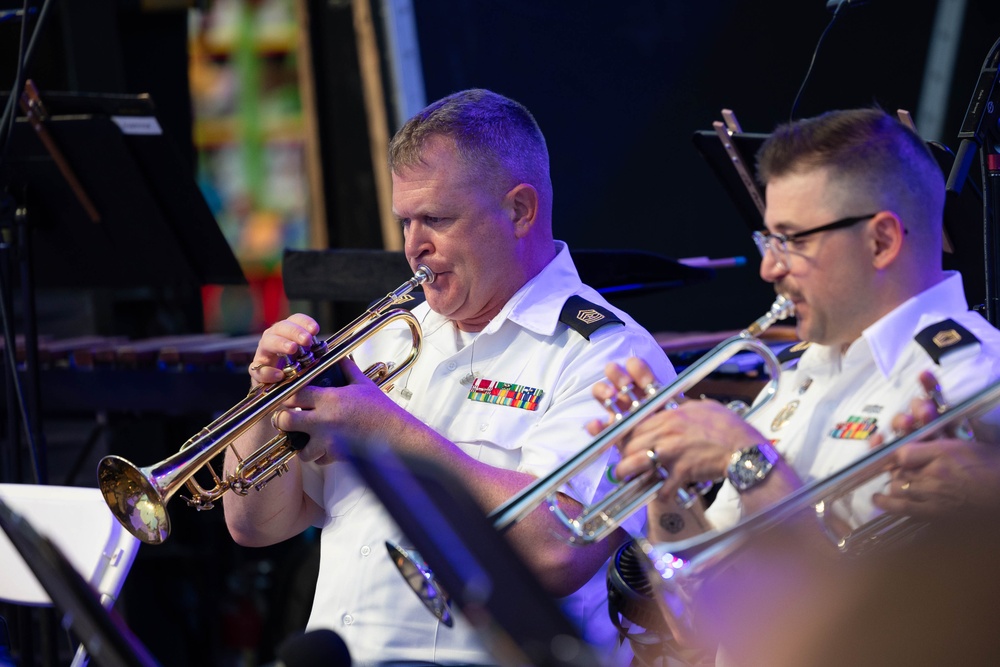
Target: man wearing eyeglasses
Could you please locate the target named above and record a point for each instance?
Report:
(853, 237)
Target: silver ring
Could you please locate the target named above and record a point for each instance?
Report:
(257, 367)
(274, 419)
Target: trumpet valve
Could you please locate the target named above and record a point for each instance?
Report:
(628, 394)
(305, 358)
(276, 471)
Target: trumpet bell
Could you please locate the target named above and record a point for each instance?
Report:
(422, 581)
(133, 499)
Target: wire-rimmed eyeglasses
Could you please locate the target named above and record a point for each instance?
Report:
(778, 243)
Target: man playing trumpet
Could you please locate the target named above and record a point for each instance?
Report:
(854, 210)
(506, 311)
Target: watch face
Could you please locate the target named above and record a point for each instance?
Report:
(748, 469)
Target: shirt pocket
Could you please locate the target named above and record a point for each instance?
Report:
(491, 433)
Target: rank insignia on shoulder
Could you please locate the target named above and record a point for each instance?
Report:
(793, 352)
(585, 317)
(945, 337)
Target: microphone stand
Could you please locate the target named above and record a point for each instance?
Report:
(980, 135)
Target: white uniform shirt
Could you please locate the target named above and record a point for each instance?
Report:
(829, 404)
(359, 592)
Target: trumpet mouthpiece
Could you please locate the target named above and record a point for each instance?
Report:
(423, 274)
(783, 307)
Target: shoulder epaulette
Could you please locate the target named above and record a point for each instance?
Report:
(943, 337)
(407, 301)
(585, 317)
(793, 352)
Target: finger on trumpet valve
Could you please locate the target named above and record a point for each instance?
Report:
(611, 405)
(686, 499)
(963, 429)
(935, 396)
(628, 394)
(653, 458)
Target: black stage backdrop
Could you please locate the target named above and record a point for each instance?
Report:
(619, 89)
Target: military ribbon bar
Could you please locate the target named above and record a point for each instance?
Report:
(855, 428)
(505, 393)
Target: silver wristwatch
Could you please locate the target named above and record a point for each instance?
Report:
(750, 466)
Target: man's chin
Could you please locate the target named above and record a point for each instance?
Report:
(440, 305)
(802, 331)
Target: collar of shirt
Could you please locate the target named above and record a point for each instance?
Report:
(885, 340)
(536, 306)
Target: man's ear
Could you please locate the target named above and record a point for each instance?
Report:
(886, 233)
(522, 203)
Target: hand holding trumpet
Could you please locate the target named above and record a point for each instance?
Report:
(692, 441)
(936, 476)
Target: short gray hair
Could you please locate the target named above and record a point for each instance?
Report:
(496, 137)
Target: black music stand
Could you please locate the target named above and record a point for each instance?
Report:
(108, 641)
(747, 144)
(129, 214)
(517, 621)
(155, 228)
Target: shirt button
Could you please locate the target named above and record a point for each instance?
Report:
(452, 365)
(484, 427)
(348, 619)
(365, 550)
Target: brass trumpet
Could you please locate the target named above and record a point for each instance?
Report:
(138, 496)
(596, 522)
(677, 569)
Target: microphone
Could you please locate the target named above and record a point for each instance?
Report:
(316, 648)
